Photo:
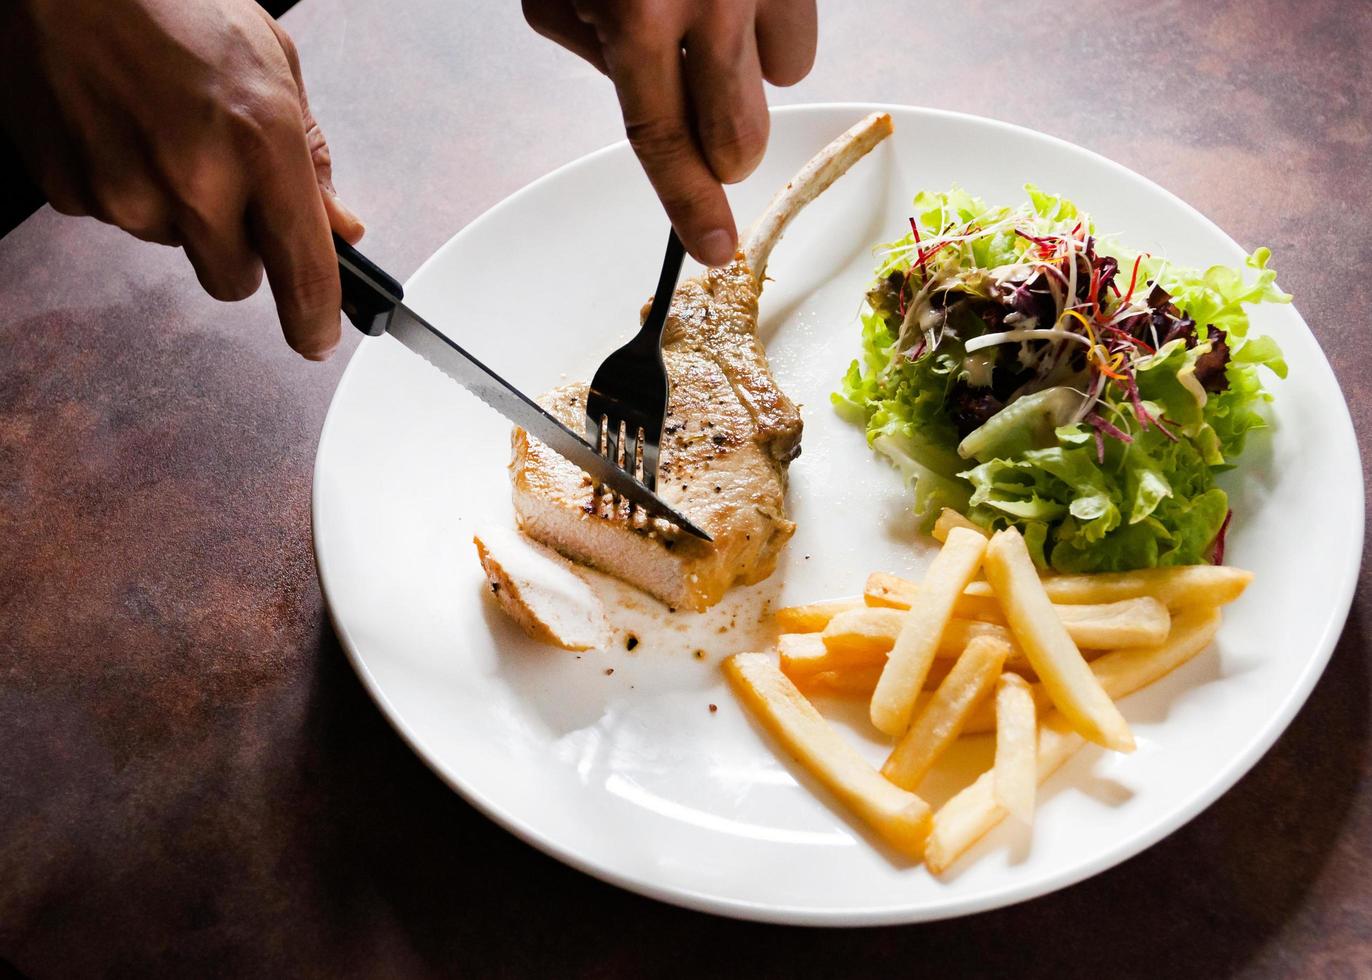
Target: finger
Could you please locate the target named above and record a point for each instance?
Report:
(342, 219)
(289, 229)
(557, 20)
(786, 39)
(48, 154)
(652, 95)
(726, 96)
(223, 258)
(57, 175)
(125, 189)
(31, 117)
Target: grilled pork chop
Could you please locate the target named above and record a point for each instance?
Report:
(729, 435)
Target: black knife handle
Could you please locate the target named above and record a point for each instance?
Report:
(369, 294)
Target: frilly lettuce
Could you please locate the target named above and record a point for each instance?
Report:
(1152, 500)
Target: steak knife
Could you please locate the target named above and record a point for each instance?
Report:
(374, 302)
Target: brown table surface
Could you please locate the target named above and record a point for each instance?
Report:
(192, 780)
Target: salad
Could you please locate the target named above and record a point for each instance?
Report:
(1025, 371)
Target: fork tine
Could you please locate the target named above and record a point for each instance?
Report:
(631, 448)
(612, 440)
(595, 431)
(650, 458)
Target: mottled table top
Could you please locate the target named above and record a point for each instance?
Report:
(193, 782)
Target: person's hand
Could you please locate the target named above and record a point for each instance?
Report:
(183, 122)
(689, 78)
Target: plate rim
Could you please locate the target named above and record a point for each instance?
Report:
(1176, 817)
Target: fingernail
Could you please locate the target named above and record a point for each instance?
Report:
(323, 354)
(717, 247)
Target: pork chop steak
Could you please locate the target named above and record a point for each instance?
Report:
(729, 435)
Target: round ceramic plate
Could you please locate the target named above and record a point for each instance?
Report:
(638, 766)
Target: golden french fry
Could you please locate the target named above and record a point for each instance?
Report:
(803, 654)
(930, 610)
(865, 635)
(852, 682)
(1107, 626)
(1133, 621)
(1015, 770)
(1180, 587)
(982, 720)
(969, 815)
(884, 590)
(1043, 637)
(814, 616)
(949, 519)
(806, 661)
(1115, 670)
(869, 634)
(1123, 672)
(901, 818)
(937, 726)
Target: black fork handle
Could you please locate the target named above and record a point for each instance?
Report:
(666, 285)
(370, 294)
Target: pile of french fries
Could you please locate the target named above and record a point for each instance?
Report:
(982, 644)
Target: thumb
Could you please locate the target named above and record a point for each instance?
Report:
(342, 219)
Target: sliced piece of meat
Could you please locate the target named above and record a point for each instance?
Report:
(538, 590)
(729, 435)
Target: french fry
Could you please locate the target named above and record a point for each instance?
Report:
(866, 635)
(949, 519)
(1180, 587)
(869, 634)
(930, 610)
(803, 654)
(982, 720)
(884, 590)
(805, 659)
(901, 818)
(1176, 588)
(1122, 672)
(969, 815)
(1015, 775)
(1116, 671)
(1131, 621)
(1107, 626)
(814, 616)
(1063, 671)
(854, 682)
(937, 726)
(860, 682)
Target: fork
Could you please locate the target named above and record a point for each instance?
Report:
(627, 403)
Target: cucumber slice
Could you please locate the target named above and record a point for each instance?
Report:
(1026, 423)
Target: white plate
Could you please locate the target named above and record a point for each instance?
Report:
(629, 776)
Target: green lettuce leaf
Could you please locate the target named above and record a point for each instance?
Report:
(1135, 495)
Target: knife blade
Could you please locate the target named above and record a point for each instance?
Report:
(374, 302)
